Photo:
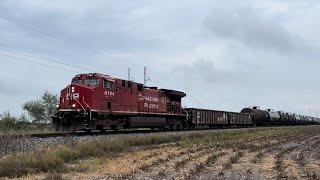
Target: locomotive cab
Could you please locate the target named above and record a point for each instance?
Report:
(78, 101)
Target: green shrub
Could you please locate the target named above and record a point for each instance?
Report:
(49, 162)
(66, 154)
(21, 164)
(17, 165)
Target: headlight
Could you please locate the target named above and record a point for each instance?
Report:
(57, 106)
(72, 89)
(73, 105)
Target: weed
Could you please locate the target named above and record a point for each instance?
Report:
(180, 164)
(21, 164)
(53, 176)
(221, 173)
(257, 157)
(144, 167)
(199, 168)
(158, 161)
(300, 159)
(161, 174)
(233, 160)
(79, 168)
(213, 158)
(313, 176)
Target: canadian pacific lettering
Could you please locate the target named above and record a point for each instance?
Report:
(148, 98)
(151, 106)
(73, 96)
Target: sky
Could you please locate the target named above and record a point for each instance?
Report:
(226, 55)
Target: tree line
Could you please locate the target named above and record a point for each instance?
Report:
(38, 114)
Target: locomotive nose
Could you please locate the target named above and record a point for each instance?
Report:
(79, 97)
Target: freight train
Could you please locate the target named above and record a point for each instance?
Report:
(96, 101)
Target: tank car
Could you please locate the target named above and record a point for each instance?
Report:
(259, 117)
(284, 118)
(298, 119)
(274, 117)
(292, 119)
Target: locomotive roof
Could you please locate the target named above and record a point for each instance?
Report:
(96, 75)
(170, 92)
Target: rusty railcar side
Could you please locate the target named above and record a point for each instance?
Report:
(214, 118)
(240, 119)
(205, 117)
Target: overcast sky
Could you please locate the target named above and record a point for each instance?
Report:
(224, 54)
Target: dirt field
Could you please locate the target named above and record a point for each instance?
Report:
(290, 155)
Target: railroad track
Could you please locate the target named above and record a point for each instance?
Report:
(67, 134)
(111, 132)
(96, 133)
(79, 134)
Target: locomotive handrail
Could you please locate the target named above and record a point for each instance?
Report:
(88, 107)
(185, 112)
(85, 112)
(86, 103)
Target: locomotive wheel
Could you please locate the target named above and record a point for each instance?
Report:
(58, 126)
(171, 127)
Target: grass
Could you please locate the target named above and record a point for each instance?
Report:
(56, 160)
(53, 176)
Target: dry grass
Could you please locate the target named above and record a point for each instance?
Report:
(233, 160)
(53, 176)
(126, 157)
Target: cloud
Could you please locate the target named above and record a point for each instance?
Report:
(252, 28)
(205, 71)
(224, 54)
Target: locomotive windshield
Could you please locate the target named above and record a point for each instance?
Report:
(91, 82)
(77, 82)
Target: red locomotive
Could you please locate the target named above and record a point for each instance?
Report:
(99, 102)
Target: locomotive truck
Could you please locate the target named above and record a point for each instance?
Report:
(96, 101)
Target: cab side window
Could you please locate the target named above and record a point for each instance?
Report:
(140, 87)
(129, 84)
(108, 84)
(123, 83)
